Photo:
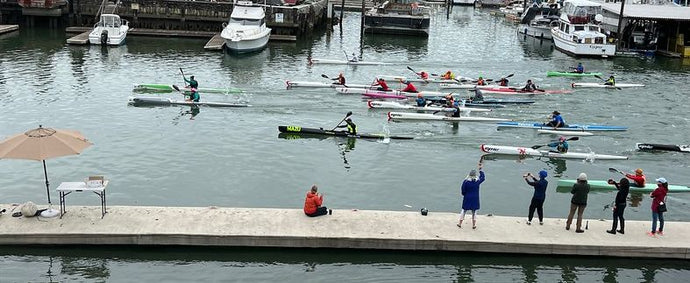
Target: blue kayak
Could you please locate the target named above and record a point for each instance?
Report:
(572, 127)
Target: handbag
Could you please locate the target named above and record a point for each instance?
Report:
(662, 206)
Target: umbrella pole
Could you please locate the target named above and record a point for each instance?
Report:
(45, 172)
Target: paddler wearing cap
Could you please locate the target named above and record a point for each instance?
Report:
(409, 87)
(351, 127)
(556, 120)
(560, 146)
(638, 178)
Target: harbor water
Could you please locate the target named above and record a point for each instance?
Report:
(159, 156)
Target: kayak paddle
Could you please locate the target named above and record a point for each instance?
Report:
(349, 113)
(598, 77)
(611, 169)
(569, 139)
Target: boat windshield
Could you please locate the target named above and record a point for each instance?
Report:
(594, 28)
(246, 22)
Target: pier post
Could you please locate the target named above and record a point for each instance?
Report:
(619, 35)
(342, 8)
(361, 27)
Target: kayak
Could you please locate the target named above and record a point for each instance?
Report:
(572, 127)
(669, 147)
(601, 85)
(343, 62)
(570, 74)
(400, 94)
(169, 88)
(418, 80)
(150, 101)
(291, 84)
(527, 151)
(604, 185)
(500, 90)
(469, 86)
(565, 133)
(502, 101)
(396, 105)
(320, 131)
(432, 117)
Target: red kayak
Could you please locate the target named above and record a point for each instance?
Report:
(519, 91)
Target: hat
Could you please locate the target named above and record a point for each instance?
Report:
(638, 171)
(562, 138)
(473, 173)
(556, 113)
(191, 77)
(662, 180)
(381, 79)
(480, 78)
(582, 177)
(543, 174)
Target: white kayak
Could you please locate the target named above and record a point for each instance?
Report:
(396, 105)
(351, 90)
(564, 133)
(469, 86)
(291, 84)
(343, 62)
(156, 100)
(601, 85)
(432, 117)
(417, 80)
(527, 151)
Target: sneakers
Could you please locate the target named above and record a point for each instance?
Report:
(660, 233)
(541, 223)
(620, 231)
(567, 227)
(330, 212)
(529, 222)
(579, 231)
(651, 234)
(611, 231)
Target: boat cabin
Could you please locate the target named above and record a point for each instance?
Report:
(109, 21)
(245, 14)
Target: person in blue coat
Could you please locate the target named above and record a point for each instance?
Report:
(470, 195)
(538, 197)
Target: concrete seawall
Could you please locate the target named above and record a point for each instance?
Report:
(350, 229)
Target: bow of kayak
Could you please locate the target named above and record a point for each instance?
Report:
(667, 147)
(604, 185)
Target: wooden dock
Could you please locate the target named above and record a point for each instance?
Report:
(8, 28)
(80, 39)
(215, 43)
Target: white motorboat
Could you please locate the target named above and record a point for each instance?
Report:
(537, 21)
(579, 32)
(246, 30)
(110, 30)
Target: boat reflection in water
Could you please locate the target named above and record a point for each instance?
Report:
(345, 144)
(536, 47)
(414, 47)
(557, 165)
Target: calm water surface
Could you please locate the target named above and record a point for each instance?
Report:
(234, 157)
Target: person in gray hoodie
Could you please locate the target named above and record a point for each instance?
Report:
(578, 202)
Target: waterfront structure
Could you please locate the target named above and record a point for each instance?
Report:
(579, 32)
(398, 18)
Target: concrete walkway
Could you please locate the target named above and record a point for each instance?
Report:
(8, 28)
(389, 230)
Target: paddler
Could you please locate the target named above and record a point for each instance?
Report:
(611, 81)
(579, 69)
(191, 81)
(448, 75)
(556, 120)
(481, 81)
(529, 86)
(409, 87)
(382, 85)
(477, 95)
(340, 80)
(503, 82)
(193, 95)
(421, 101)
(354, 58)
(423, 75)
(638, 178)
(561, 146)
(351, 127)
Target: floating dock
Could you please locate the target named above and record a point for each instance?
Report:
(346, 229)
(8, 28)
(80, 39)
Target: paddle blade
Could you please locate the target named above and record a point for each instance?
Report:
(349, 113)
(508, 76)
(410, 68)
(611, 169)
(536, 146)
(324, 76)
(598, 77)
(574, 138)
(176, 88)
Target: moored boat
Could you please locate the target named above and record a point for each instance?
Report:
(432, 117)
(110, 30)
(601, 85)
(571, 127)
(246, 30)
(396, 105)
(579, 32)
(391, 17)
(570, 74)
(321, 131)
(604, 185)
(667, 147)
(163, 101)
(527, 151)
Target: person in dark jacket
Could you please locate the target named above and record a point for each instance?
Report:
(658, 197)
(619, 205)
(538, 197)
(578, 202)
(313, 202)
(470, 195)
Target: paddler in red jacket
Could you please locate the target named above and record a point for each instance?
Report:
(423, 75)
(313, 202)
(639, 179)
(340, 80)
(409, 87)
(481, 81)
(382, 85)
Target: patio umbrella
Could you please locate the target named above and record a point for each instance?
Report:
(41, 144)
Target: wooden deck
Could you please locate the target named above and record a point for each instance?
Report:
(8, 28)
(80, 39)
(215, 43)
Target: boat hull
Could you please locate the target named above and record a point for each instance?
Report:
(292, 84)
(431, 117)
(599, 85)
(396, 105)
(314, 131)
(518, 91)
(564, 184)
(343, 62)
(170, 88)
(162, 101)
(533, 31)
(246, 46)
(570, 74)
(667, 147)
(527, 151)
(581, 49)
(572, 127)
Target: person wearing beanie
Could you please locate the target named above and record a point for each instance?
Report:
(619, 205)
(638, 178)
(470, 195)
(538, 197)
(578, 202)
(658, 197)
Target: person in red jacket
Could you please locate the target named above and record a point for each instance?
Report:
(658, 196)
(409, 87)
(638, 179)
(313, 202)
(382, 85)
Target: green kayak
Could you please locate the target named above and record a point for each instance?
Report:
(565, 185)
(570, 74)
(169, 88)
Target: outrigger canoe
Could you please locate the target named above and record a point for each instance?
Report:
(396, 105)
(292, 84)
(528, 151)
(431, 117)
(669, 147)
(169, 88)
(512, 90)
(163, 101)
(570, 74)
(571, 127)
(320, 131)
(601, 85)
(604, 185)
(343, 62)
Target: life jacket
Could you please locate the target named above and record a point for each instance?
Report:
(410, 88)
(481, 82)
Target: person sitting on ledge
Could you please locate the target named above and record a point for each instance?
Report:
(313, 202)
